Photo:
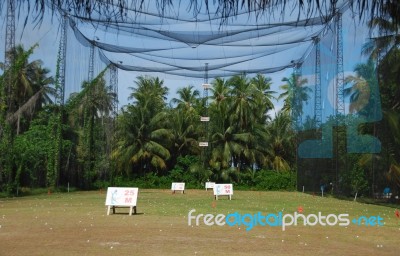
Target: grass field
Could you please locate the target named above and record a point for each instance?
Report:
(77, 224)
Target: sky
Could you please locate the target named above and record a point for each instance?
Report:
(47, 36)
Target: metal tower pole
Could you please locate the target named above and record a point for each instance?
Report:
(60, 88)
(205, 93)
(340, 107)
(61, 61)
(297, 74)
(91, 63)
(10, 29)
(114, 87)
(317, 103)
(205, 118)
(111, 138)
(9, 47)
(297, 70)
(296, 119)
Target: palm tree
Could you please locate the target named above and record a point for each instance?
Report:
(149, 91)
(385, 49)
(21, 72)
(30, 85)
(25, 88)
(264, 94)
(239, 109)
(185, 129)
(34, 104)
(295, 93)
(92, 104)
(227, 148)
(42, 83)
(219, 103)
(143, 136)
(388, 26)
(364, 89)
(280, 143)
(220, 90)
(150, 148)
(187, 97)
(42, 91)
(242, 102)
(142, 142)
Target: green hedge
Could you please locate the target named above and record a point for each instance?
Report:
(259, 180)
(273, 180)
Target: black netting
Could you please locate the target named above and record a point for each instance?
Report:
(180, 44)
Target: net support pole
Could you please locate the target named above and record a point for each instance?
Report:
(205, 118)
(340, 106)
(9, 47)
(317, 93)
(60, 88)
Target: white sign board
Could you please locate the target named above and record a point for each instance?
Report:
(210, 185)
(178, 186)
(223, 190)
(121, 197)
(206, 86)
(203, 144)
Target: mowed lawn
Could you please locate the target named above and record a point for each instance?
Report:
(77, 224)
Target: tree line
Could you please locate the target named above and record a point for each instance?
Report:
(148, 135)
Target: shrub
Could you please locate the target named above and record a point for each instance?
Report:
(273, 180)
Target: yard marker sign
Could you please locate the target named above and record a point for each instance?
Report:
(223, 190)
(121, 197)
(210, 185)
(178, 186)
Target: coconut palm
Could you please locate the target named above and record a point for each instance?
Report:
(30, 86)
(227, 148)
(220, 90)
(294, 95)
(187, 97)
(263, 95)
(363, 91)
(242, 104)
(95, 100)
(239, 107)
(21, 72)
(149, 151)
(219, 103)
(185, 129)
(389, 77)
(149, 91)
(25, 88)
(388, 26)
(280, 143)
(143, 136)
(90, 107)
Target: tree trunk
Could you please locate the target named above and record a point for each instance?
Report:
(18, 123)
